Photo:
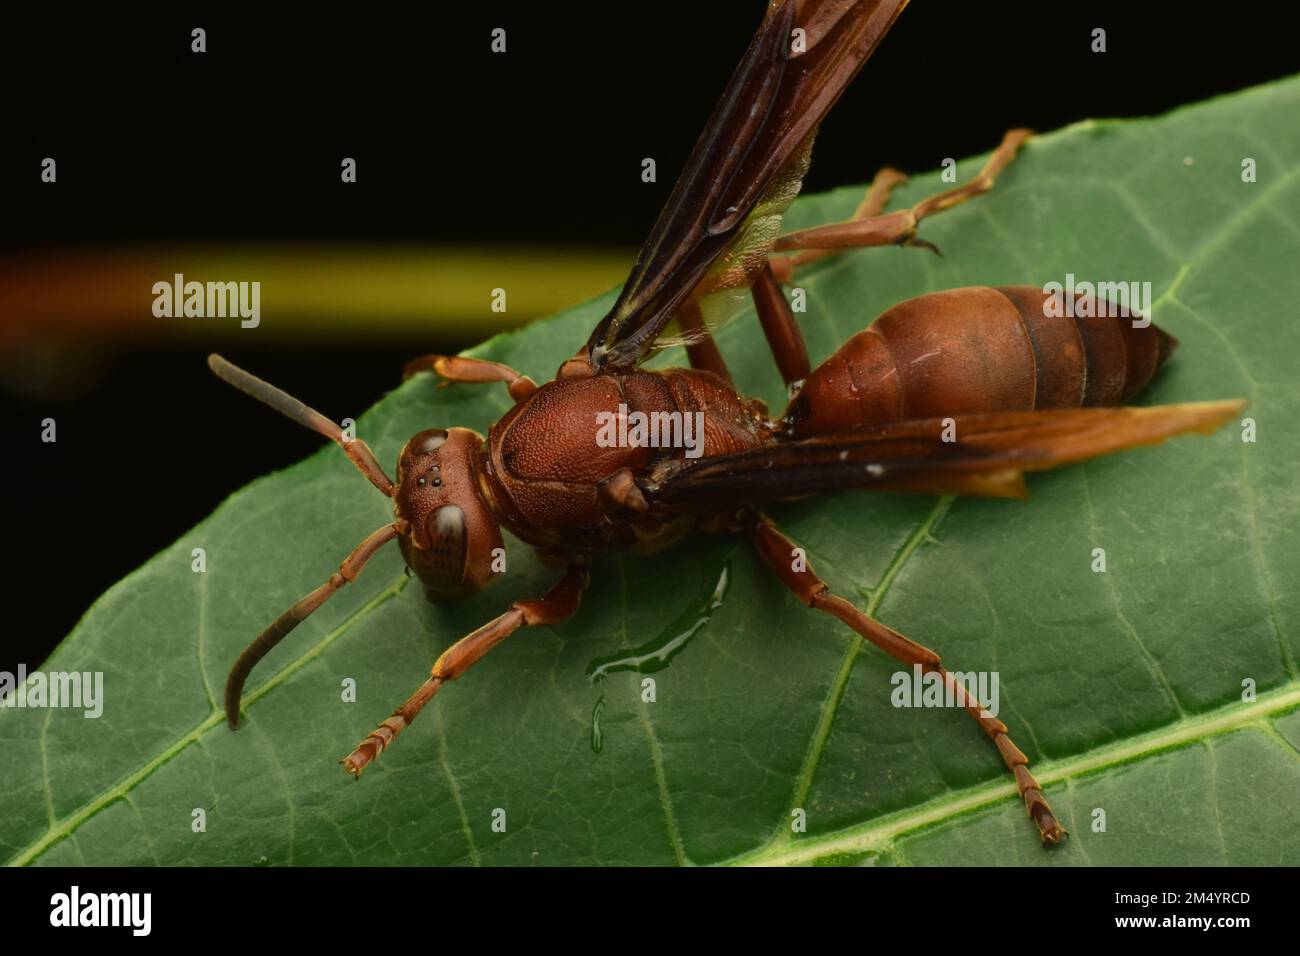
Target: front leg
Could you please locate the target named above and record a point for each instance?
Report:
(461, 368)
(559, 604)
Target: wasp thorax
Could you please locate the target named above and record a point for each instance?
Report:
(448, 532)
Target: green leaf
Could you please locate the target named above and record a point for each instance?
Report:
(1125, 688)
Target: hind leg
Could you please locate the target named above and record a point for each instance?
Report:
(775, 550)
(868, 228)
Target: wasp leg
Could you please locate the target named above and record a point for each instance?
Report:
(873, 204)
(701, 349)
(867, 228)
(780, 327)
(774, 314)
(776, 550)
(560, 603)
(460, 368)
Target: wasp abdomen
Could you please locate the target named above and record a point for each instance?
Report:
(979, 349)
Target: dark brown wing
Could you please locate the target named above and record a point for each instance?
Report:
(989, 456)
(762, 127)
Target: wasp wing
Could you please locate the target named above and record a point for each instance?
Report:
(987, 455)
(747, 165)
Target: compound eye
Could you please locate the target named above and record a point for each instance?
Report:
(446, 558)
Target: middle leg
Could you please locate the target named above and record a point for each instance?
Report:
(780, 328)
(701, 349)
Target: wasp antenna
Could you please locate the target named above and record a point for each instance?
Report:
(286, 622)
(357, 451)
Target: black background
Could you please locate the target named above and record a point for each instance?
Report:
(938, 907)
(540, 146)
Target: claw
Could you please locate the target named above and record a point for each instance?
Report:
(1051, 831)
(920, 243)
(1049, 828)
(352, 765)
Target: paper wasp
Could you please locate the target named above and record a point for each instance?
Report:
(1019, 388)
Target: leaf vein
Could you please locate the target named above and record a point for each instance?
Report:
(835, 693)
(69, 824)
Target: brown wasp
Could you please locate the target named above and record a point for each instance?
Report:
(1019, 386)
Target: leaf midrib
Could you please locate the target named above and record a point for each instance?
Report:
(883, 831)
(835, 694)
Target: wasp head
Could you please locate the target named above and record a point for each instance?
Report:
(448, 534)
